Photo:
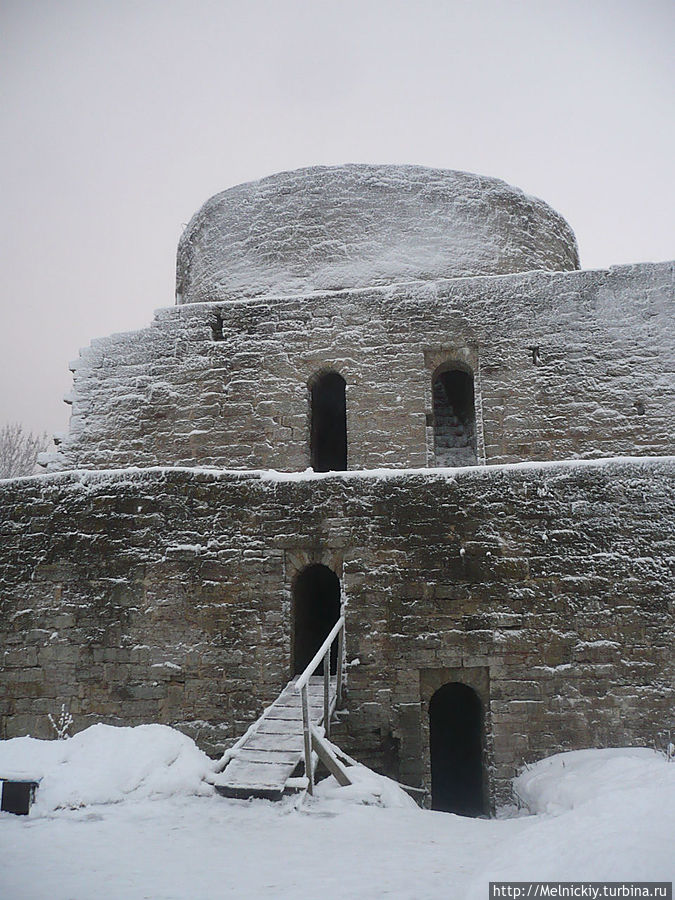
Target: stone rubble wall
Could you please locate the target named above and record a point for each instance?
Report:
(572, 364)
(165, 596)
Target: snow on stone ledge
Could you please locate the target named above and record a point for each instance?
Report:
(87, 477)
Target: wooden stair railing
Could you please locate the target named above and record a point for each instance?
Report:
(312, 738)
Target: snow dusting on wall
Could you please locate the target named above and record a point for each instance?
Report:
(165, 596)
(341, 227)
(565, 365)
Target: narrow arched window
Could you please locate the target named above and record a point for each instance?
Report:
(454, 418)
(328, 434)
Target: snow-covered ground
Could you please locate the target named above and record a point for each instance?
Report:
(125, 813)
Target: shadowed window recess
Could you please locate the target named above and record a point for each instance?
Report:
(328, 436)
(316, 608)
(456, 744)
(454, 418)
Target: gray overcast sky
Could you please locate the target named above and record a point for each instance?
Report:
(120, 118)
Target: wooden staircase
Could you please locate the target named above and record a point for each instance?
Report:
(282, 744)
(272, 749)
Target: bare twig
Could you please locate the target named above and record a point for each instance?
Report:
(19, 450)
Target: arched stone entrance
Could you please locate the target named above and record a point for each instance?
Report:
(316, 608)
(456, 745)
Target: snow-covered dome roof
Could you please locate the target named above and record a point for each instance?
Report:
(337, 227)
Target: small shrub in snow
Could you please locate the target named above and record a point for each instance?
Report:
(665, 744)
(61, 725)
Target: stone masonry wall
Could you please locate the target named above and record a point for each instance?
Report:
(572, 364)
(165, 596)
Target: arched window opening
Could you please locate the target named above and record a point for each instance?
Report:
(454, 418)
(456, 744)
(316, 608)
(328, 440)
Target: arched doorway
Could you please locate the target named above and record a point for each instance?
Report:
(454, 417)
(328, 432)
(316, 608)
(456, 744)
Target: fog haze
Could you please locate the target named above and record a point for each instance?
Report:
(119, 119)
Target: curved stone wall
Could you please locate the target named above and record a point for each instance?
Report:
(575, 364)
(164, 596)
(354, 226)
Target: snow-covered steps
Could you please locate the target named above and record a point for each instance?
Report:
(266, 757)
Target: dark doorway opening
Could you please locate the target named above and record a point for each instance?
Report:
(328, 440)
(454, 418)
(456, 743)
(316, 608)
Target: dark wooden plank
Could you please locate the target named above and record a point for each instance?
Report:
(237, 792)
(329, 759)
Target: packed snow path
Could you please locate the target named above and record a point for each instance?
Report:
(271, 750)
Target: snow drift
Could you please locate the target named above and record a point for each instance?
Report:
(567, 781)
(105, 764)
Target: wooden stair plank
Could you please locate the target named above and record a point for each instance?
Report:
(250, 754)
(279, 726)
(287, 712)
(262, 741)
(248, 773)
(289, 701)
(236, 792)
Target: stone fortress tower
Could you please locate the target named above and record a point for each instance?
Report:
(388, 392)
